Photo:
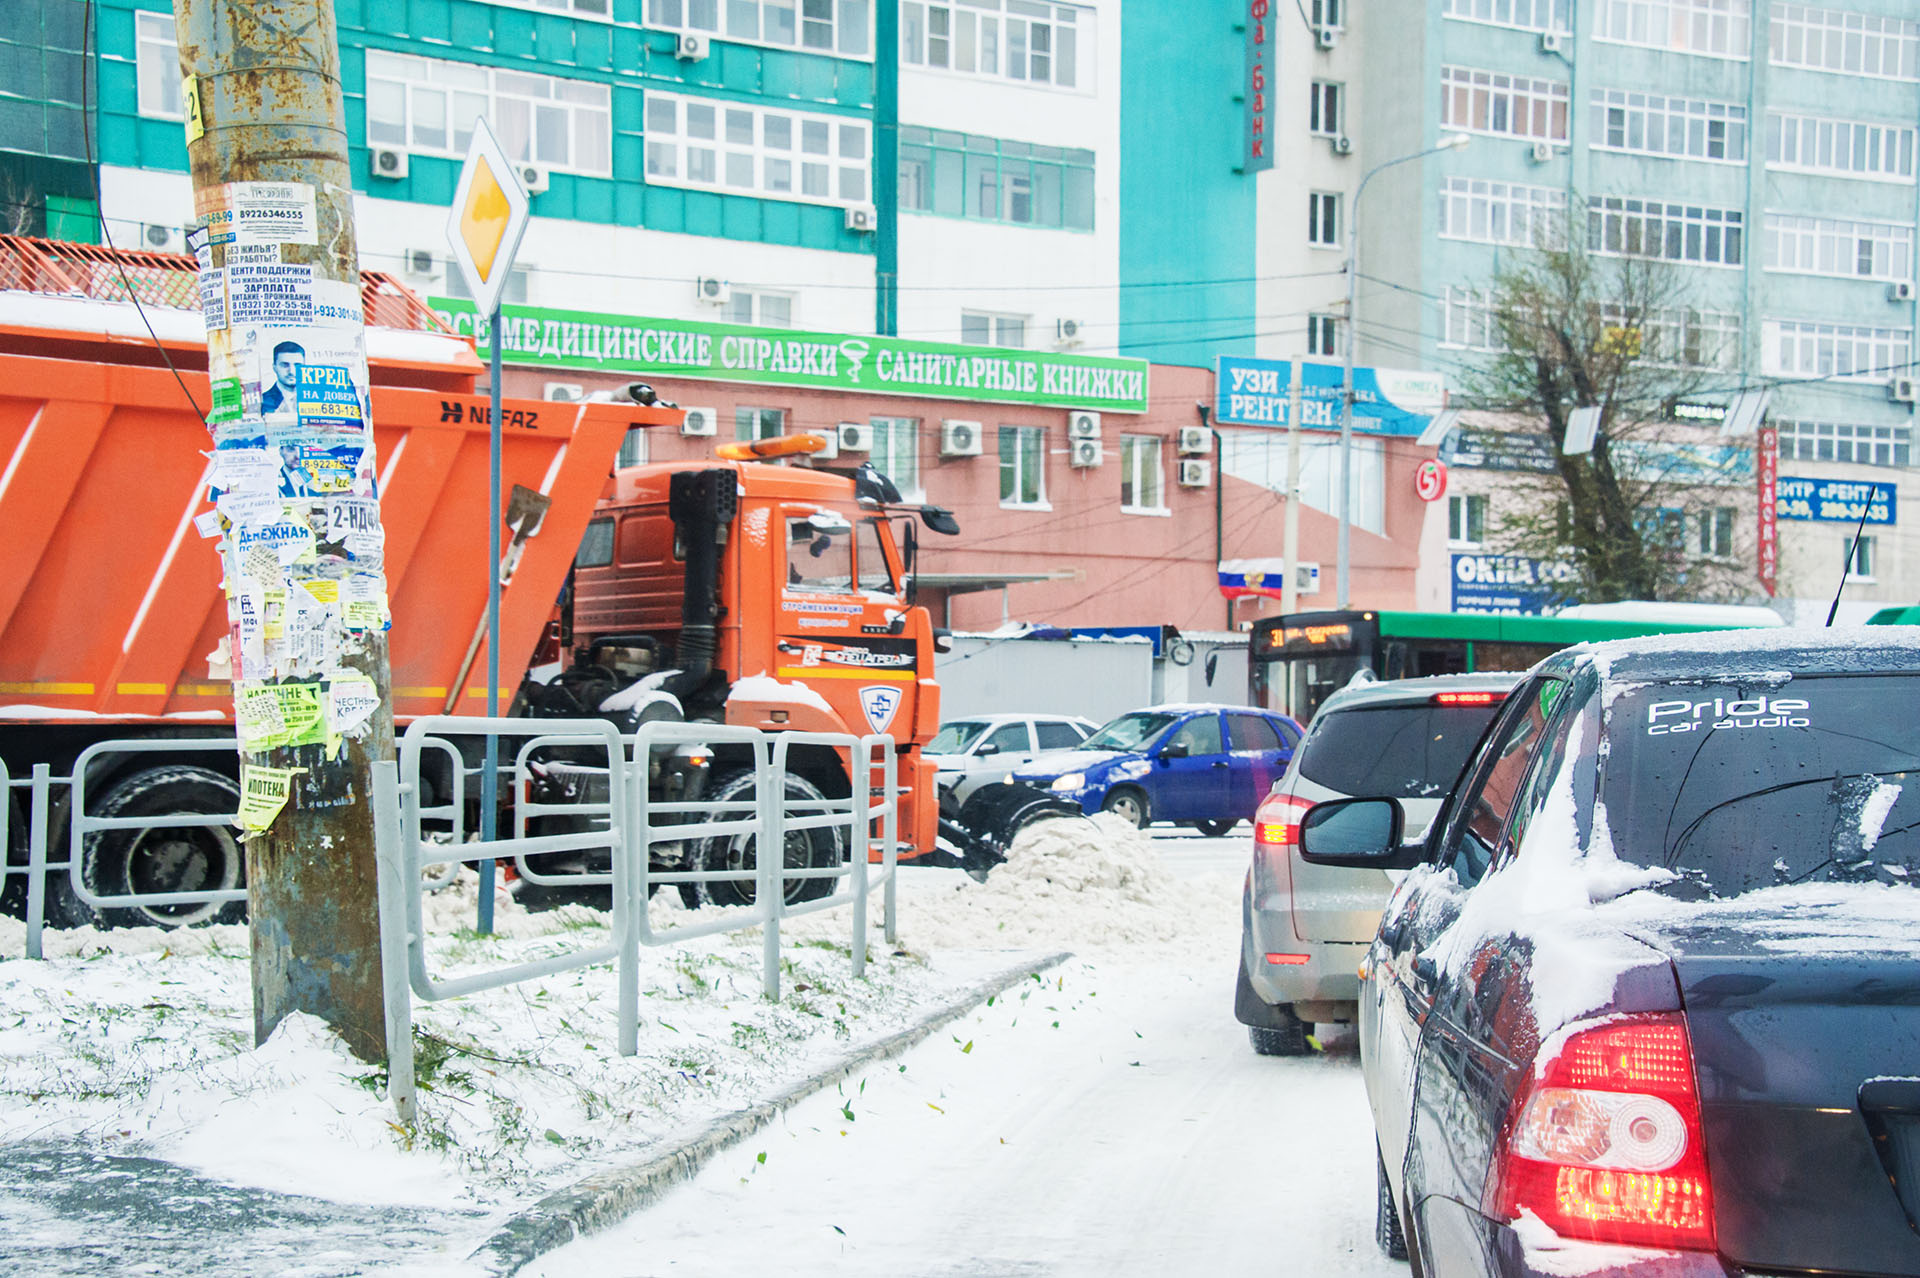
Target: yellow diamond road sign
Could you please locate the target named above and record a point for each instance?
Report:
(488, 216)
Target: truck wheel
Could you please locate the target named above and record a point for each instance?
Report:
(180, 859)
(805, 850)
(1128, 803)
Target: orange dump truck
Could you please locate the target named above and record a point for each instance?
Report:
(736, 592)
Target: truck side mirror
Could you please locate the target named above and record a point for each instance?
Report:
(909, 554)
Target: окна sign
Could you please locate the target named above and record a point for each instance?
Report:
(785, 357)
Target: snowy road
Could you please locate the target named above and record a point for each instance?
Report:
(1113, 1121)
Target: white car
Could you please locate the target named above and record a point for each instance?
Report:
(984, 748)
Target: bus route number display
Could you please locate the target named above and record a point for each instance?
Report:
(1322, 637)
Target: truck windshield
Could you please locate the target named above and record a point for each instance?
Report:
(1740, 786)
(874, 573)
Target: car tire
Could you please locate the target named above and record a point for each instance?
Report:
(1129, 804)
(1291, 1041)
(1214, 829)
(1386, 1213)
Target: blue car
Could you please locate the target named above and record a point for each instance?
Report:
(1206, 766)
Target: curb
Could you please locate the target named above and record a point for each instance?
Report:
(611, 1196)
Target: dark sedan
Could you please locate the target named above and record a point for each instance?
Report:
(1648, 1000)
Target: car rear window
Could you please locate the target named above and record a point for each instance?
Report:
(1059, 736)
(1738, 786)
(1393, 752)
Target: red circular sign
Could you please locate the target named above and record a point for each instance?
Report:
(1430, 480)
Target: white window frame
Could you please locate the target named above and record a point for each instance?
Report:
(976, 38)
(1488, 212)
(1323, 335)
(672, 150)
(1323, 219)
(749, 305)
(1709, 28)
(1001, 326)
(1461, 509)
(465, 90)
(157, 66)
(750, 423)
(1804, 348)
(896, 453)
(1710, 524)
(1325, 109)
(1495, 104)
(572, 8)
(1329, 15)
(1800, 245)
(1857, 555)
(1843, 41)
(1143, 465)
(1468, 319)
(1516, 15)
(1030, 444)
(1658, 124)
(1627, 226)
(680, 15)
(1682, 337)
(1828, 144)
(1846, 442)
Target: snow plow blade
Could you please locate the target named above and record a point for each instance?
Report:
(985, 825)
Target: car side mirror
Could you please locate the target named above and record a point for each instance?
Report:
(1359, 834)
(1175, 750)
(985, 748)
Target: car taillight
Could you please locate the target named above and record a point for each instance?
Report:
(1276, 828)
(1606, 1142)
(1468, 698)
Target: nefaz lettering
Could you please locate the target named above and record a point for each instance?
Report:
(1668, 717)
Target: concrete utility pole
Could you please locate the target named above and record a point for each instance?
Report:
(293, 469)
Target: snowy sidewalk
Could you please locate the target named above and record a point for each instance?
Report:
(126, 1064)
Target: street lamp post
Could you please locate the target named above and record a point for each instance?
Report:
(1452, 142)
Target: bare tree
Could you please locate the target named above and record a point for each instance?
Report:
(1620, 333)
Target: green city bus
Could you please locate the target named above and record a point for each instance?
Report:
(1295, 661)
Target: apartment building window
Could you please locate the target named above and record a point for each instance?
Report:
(1857, 557)
(1033, 42)
(1834, 246)
(816, 26)
(633, 452)
(986, 328)
(1143, 479)
(1509, 105)
(1679, 337)
(1801, 35)
(429, 105)
(1792, 348)
(781, 155)
(1323, 110)
(1715, 529)
(1501, 212)
(1023, 466)
(1323, 219)
(1329, 13)
(1655, 124)
(1469, 319)
(1625, 227)
(1717, 28)
(1467, 519)
(1527, 15)
(995, 179)
(157, 65)
(1846, 442)
(454, 284)
(896, 451)
(1850, 148)
(1323, 334)
(759, 423)
(760, 307)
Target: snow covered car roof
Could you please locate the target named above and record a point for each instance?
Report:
(1722, 654)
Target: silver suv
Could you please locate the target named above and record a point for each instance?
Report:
(1305, 927)
(983, 748)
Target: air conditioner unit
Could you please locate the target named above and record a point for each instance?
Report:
(1195, 474)
(713, 292)
(700, 421)
(1194, 441)
(533, 177)
(831, 451)
(690, 46)
(863, 218)
(1541, 153)
(959, 439)
(856, 437)
(1553, 42)
(1900, 291)
(422, 262)
(564, 392)
(1901, 390)
(389, 162)
(1083, 453)
(163, 239)
(1067, 332)
(1343, 146)
(1326, 37)
(1083, 425)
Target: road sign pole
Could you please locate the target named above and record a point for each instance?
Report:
(490, 784)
